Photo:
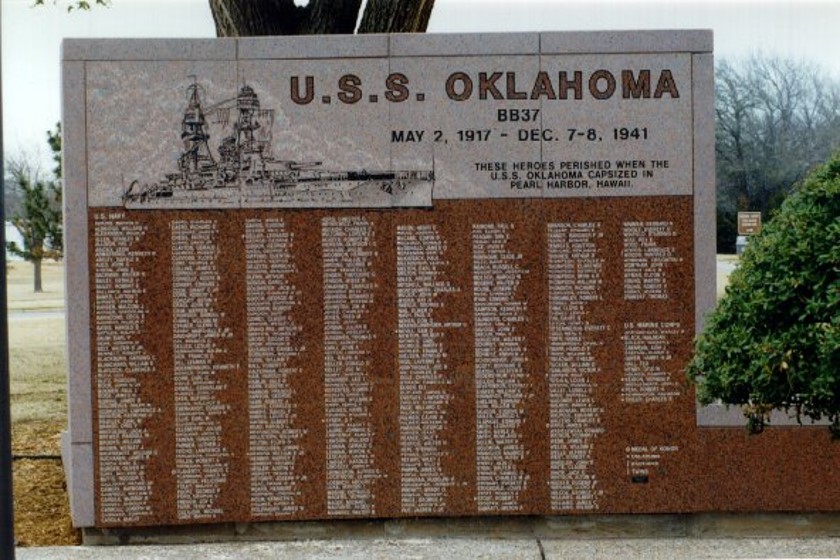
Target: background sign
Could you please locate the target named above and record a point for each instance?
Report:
(749, 223)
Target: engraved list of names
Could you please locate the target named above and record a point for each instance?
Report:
(122, 366)
(348, 245)
(273, 359)
(575, 282)
(201, 461)
(377, 365)
(424, 378)
(500, 377)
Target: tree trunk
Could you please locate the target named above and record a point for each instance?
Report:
(36, 265)
(388, 16)
(243, 18)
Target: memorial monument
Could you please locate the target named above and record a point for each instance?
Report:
(397, 276)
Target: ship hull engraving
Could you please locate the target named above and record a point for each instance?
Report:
(242, 174)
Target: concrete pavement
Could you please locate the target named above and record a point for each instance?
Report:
(456, 548)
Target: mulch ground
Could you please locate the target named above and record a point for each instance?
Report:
(42, 510)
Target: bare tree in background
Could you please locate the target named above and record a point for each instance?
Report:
(776, 119)
(38, 215)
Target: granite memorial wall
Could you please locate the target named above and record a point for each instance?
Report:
(397, 276)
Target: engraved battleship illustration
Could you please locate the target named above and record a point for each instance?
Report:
(243, 174)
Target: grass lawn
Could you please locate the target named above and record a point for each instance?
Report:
(37, 364)
(20, 285)
(38, 368)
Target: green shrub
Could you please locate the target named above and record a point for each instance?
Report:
(774, 339)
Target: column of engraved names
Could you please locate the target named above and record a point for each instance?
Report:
(271, 297)
(575, 278)
(646, 347)
(647, 254)
(646, 259)
(500, 377)
(348, 252)
(424, 392)
(201, 465)
(122, 363)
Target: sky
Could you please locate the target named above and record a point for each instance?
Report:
(31, 37)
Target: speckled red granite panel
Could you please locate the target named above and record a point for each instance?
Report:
(634, 447)
(462, 453)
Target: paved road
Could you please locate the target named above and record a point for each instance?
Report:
(726, 267)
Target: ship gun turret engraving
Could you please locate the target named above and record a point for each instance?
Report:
(243, 174)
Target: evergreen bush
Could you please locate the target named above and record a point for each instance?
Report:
(773, 341)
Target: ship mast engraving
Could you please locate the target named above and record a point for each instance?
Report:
(244, 174)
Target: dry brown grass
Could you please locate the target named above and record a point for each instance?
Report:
(42, 512)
